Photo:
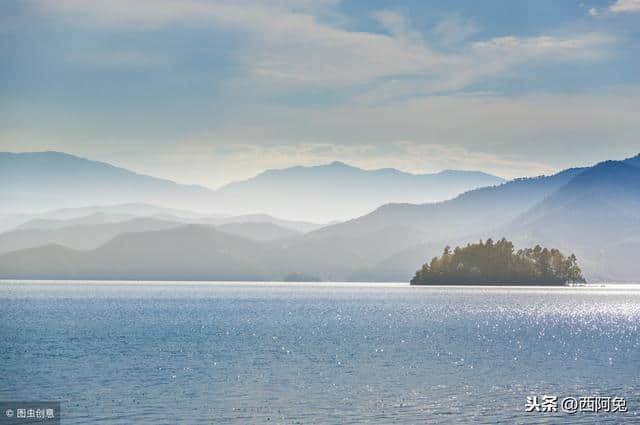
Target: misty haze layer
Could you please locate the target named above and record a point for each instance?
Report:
(593, 212)
(50, 180)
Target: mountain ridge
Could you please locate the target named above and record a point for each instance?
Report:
(39, 181)
(592, 211)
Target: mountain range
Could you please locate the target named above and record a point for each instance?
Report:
(596, 215)
(89, 236)
(338, 191)
(592, 211)
(56, 219)
(39, 181)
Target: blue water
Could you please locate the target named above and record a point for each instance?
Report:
(227, 353)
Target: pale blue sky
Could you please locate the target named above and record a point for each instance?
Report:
(211, 91)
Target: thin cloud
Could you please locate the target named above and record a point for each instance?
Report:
(292, 47)
(506, 136)
(621, 6)
(454, 30)
(583, 46)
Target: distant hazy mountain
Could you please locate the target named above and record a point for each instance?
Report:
(592, 211)
(258, 231)
(340, 191)
(84, 235)
(56, 219)
(191, 252)
(97, 214)
(96, 218)
(135, 209)
(392, 241)
(354, 250)
(596, 215)
(295, 225)
(42, 181)
(483, 208)
(48, 180)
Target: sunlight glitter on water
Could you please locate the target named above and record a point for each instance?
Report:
(316, 353)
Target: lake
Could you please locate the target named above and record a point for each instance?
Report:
(273, 353)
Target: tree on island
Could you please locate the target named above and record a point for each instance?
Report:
(497, 263)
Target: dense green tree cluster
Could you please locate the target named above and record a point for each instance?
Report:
(497, 263)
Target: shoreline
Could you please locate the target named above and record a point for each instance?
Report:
(283, 284)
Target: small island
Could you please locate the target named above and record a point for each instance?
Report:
(496, 263)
